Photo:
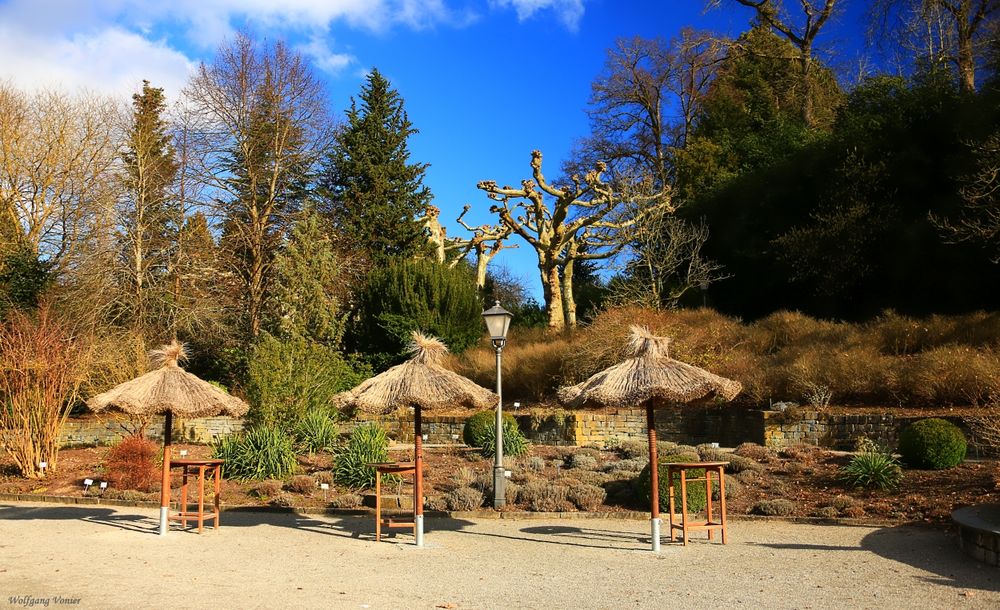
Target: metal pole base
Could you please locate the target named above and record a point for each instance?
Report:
(420, 530)
(163, 520)
(499, 488)
(655, 531)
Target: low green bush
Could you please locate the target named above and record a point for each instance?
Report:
(368, 444)
(316, 432)
(696, 500)
(874, 469)
(932, 443)
(262, 452)
(514, 442)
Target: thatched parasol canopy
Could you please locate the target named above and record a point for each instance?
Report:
(649, 375)
(422, 381)
(169, 389)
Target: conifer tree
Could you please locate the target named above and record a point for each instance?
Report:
(372, 192)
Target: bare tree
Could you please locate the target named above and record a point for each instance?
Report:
(980, 217)
(588, 208)
(801, 32)
(954, 31)
(265, 126)
(486, 242)
(57, 153)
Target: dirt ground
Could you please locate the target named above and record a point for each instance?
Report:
(808, 477)
(108, 558)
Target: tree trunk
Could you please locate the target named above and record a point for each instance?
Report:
(482, 262)
(552, 291)
(567, 294)
(966, 59)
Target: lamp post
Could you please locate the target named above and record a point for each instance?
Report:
(497, 322)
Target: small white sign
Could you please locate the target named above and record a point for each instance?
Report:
(43, 465)
(454, 437)
(715, 445)
(324, 486)
(88, 482)
(423, 436)
(104, 484)
(507, 473)
(183, 452)
(517, 405)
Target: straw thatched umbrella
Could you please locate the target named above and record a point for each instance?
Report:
(422, 383)
(654, 379)
(169, 390)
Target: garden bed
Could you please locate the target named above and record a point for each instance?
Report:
(806, 477)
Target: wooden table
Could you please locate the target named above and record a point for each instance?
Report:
(397, 468)
(199, 467)
(686, 524)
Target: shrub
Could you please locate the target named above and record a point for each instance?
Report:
(535, 463)
(368, 444)
(125, 495)
(932, 443)
(286, 379)
(348, 500)
(633, 465)
(738, 463)
(753, 451)
(514, 442)
(543, 496)
(708, 453)
(696, 500)
(583, 461)
(435, 503)
(316, 432)
(268, 489)
(588, 476)
(842, 503)
(464, 498)
(511, 490)
(323, 476)
(586, 497)
(301, 484)
(733, 488)
(826, 512)
(632, 448)
(779, 507)
(872, 470)
(262, 452)
(132, 464)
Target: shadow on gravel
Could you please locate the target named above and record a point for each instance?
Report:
(101, 516)
(572, 536)
(933, 551)
(362, 527)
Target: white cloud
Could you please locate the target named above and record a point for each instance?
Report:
(568, 11)
(323, 58)
(111, 61)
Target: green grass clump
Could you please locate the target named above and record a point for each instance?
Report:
(480, 431)
(873, 469)
(368, 444)
(316, 432)
(932, 443)
(262, 452)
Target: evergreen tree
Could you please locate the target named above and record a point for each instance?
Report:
(148, 214)
(372, 192)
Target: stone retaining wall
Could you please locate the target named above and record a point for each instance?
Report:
(727, 426)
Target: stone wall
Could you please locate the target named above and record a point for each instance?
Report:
(727, 426)
(93, 431)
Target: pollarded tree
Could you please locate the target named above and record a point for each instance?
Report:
(586, 212)
(372, 192)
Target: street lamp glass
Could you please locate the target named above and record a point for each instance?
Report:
(497, 321)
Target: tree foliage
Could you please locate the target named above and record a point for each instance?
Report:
(373, 193)
(423, 295)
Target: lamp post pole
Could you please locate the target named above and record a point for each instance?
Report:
(499, 480)
(497, 322)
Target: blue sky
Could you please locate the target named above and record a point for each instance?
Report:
(485, 81)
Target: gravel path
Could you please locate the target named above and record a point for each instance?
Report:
(104, 557)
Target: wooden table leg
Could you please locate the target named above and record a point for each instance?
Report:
(684, 506)
(184, 497)
(201, 498)
(722, 503)
(378, 506)
(708, 501)
(217, 473)
(670, 492)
